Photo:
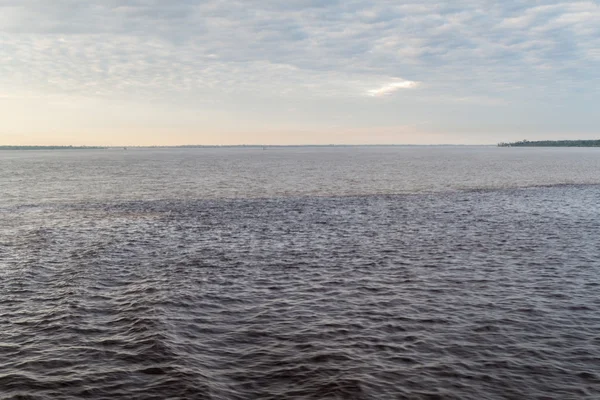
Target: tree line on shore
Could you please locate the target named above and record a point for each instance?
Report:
(552, 143)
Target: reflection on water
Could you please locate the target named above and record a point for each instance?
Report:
(108, 175)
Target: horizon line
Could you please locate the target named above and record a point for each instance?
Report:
(61, 146)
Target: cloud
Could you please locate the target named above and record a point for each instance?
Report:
(392, 87)
(197, 52)
(199, 46)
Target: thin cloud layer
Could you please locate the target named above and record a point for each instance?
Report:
(163, 44)
(334, 52)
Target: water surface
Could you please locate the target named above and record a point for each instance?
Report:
(301, 273)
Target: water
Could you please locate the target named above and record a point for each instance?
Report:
(300, 273)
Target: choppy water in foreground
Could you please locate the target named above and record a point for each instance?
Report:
(153, 275)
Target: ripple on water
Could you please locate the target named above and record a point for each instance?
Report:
(469, 295)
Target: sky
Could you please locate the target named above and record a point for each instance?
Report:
(163, 72)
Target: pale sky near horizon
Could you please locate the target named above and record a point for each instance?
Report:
(162, 72)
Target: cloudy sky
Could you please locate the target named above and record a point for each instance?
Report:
(123, 72)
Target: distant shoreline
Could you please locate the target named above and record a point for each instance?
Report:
(52, 147)
(552, 143)
(523, 143)
(265, 146)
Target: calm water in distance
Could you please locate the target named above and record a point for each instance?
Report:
(300, 273)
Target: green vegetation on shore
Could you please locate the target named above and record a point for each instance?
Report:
(50, 147)
(552, 143)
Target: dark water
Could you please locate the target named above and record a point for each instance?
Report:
(300, 274)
